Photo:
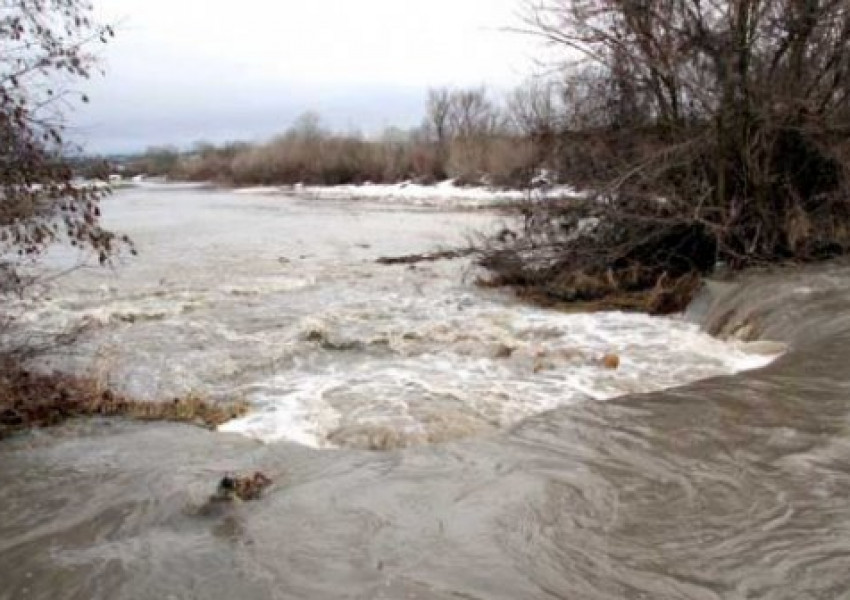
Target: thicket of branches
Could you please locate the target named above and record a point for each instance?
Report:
(44, 49)
(710, 130)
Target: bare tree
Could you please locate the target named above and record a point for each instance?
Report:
(307, 127)
(463, 123)
(723, 125)
(748, 74)
(475, 122)
(535, 112)
(43, 51)
(472, 114)
(437, 122)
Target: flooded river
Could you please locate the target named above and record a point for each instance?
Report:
(553, 477)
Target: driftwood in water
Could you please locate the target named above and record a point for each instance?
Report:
(411, 259)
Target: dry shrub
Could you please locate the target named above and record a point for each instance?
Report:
(467, 162)
(326, 160)
(338, 159)
(604, 256)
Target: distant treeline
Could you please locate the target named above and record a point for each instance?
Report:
(466, 135)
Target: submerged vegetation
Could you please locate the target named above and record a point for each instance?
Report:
(30, 399)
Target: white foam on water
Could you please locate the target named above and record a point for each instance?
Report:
(297, 416)
(459, 369)
(64, 315)
(268, 286)
(110, 306)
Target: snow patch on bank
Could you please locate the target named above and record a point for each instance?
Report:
(440, 194)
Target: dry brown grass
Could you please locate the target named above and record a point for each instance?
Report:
(332, 159)
(29, 400)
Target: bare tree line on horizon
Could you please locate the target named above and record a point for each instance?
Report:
(467, 134)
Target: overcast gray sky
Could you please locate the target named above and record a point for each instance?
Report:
(186, 70)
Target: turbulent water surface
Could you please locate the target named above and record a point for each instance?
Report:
(552, 478)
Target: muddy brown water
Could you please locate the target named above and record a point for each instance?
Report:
(731, 487)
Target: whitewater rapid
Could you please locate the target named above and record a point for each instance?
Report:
(278, 300)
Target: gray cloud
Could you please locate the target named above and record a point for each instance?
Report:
(131, 121)
(188, 70)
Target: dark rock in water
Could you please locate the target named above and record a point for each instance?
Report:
(504, 351)
(227, 485)
(506, 235)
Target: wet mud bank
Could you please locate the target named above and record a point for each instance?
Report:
(731, 487)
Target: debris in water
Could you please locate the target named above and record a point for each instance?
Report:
(411, 259)
(315, 335)
(611, 361)
(245, 488)
(542, 364)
